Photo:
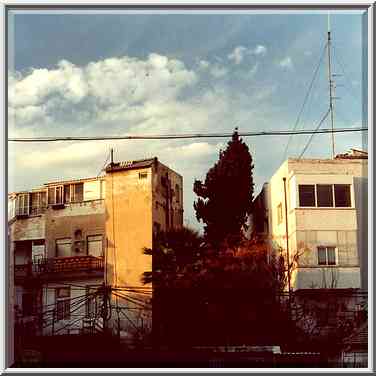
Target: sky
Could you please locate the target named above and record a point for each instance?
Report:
(103, 74)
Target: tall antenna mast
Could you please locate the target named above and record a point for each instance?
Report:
(331, 88)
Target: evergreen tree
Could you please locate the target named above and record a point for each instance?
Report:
(225, 198)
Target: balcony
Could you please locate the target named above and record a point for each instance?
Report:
(61, 268)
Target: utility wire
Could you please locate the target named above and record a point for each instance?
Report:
(305, 99)
(186, 136)
(317, 131)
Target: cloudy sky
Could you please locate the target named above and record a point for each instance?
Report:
(97, 74)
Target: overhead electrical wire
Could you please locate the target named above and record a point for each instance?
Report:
(186, 136)
(317, 131)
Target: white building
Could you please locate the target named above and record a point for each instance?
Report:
(316, 211)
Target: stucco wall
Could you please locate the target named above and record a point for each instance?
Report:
(331, 277)
(89, 217)
(28, 228)
(309, 228)
(129, 226)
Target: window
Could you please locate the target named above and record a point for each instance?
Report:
(78, 192)
(342, 195)
(55, 195)
(328, 195)
(279, 213)
(90, 308)
(38, 202)
(177, 190)
(94, 245)
(326, 255)
(142, 175)
(324, 195)
(63, 247)
(62, 298)
(307, 195)
(67, 192)
(22, 204)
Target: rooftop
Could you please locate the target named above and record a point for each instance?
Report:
(130, 165)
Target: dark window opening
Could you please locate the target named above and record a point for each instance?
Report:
(326, 255)
(342, 195)
(307, 195)
(67, 193)
(324, 195)
(62, 303)
(142, 175)
(79, 192)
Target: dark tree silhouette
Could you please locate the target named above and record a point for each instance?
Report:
(225, 198)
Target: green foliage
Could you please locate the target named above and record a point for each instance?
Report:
(225, 198)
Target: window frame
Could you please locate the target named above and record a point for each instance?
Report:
(64, 302)
(333, 185)
(326, 248)
(95, 241)
(56, 244)
(314, 196)
(279, 213)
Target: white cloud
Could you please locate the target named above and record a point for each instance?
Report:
(286, 63)
(240, 52)
(260, 50)
(237, 55)
(120, 96)
(203, 64)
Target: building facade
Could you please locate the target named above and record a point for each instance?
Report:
(68, 238)
(315, 211)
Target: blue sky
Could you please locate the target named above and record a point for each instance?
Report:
(114, 74)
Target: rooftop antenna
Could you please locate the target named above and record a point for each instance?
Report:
(331, 87)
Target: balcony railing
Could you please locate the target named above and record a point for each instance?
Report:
(59, 265)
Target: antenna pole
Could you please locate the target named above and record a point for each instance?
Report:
(330, 86)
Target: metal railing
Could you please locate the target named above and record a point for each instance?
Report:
(59, 265)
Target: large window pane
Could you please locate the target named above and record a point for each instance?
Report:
(324, 195)
(321, 252)
(307, 195)
(67, 193)
(94, 245)
(342, 195)
(51, 195)
(63, 247)
(331, 256)
(79, 192)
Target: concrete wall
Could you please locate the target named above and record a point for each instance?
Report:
(89, 217)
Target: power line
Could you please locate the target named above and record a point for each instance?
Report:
(306, 98)
(317, 131)
(187, 136)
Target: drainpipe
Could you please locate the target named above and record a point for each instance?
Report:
(287, 246)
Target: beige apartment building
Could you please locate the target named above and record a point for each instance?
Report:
(69, 237)
(316, 211)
